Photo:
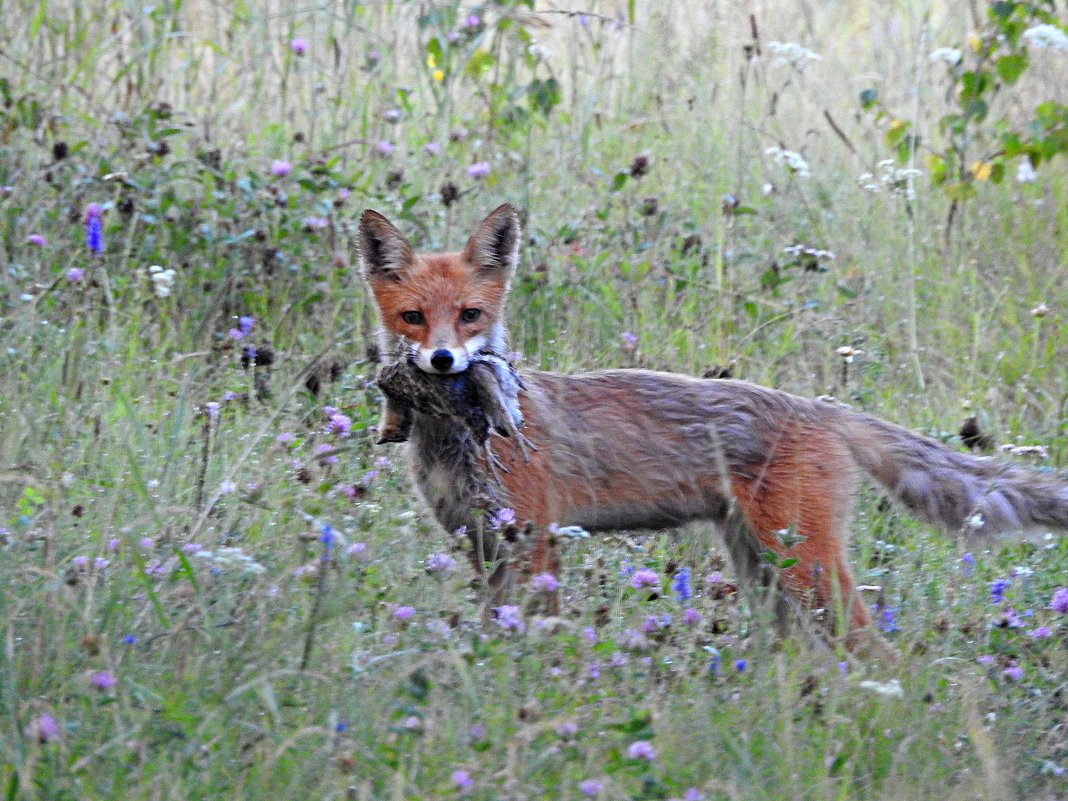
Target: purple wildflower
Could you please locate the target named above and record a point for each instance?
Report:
(356, 550)
(404, 613)
(432, 149)
(114, 543)
(642, 749)
(545, 582)
(1011, 620)
(629, 338)
(439, 563)
(502, 518)
(462, 780)
(147, 543)
(681, 585)
(391, 115)
(298, 46)
(94, 228)
(590, 787)
(590, 635)
(997, 590)
(384, 148)
(37, 239)
(286, 438)
(100, 563)
(1059, 602)
(81, 561)
(985, 659)
(191, 548)
(45, 728)
(75, 274)
(644, 578)
(102, 680)
(739, 665)
(1013, 672)
(1040, 633)
(478, 170)
(567, 730)
(245, 323)
(129, 639)
(339, 424)
(691, 617)
(280, 168)
(235, 334)
(508, 618)
(693, 794)
(312, 224)
(472, 21)
(325, 452)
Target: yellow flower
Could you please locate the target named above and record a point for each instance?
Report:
(439, 76)
(981, 170)
(431, 61)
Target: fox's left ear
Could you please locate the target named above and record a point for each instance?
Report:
(494, 246)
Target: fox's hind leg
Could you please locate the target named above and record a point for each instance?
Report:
(798, 506)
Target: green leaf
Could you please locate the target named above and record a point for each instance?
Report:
(479, 64)
(619, 181)
(1011, 67)
(868, 98)
(544, 95)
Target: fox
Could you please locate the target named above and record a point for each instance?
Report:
(637, 449)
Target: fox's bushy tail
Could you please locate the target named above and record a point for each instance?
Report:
(969, 494)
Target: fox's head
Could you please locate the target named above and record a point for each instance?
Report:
(448, 306)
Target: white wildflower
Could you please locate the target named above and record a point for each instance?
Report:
(947, 55)
(867, 182)
(891, 689)
(848, 353)
(1041, 310)
(233, 559)
(898, 180)
(976, 521)
(794, 162)
(162, 280)
(1047, 37)
(789, 54)
(1025, 173)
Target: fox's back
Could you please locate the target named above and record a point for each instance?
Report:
(644, 449)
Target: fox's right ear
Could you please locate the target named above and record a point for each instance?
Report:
(384, 252)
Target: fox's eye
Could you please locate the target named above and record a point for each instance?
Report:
(412, 317)
(470, 315)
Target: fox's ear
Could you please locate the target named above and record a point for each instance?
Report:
(384, 252)
(494, 246)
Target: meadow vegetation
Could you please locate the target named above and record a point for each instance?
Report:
(215, 586)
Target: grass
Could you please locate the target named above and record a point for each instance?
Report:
(139, 440)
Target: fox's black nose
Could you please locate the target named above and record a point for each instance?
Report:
(441, 360)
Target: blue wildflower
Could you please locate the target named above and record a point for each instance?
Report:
(997, 590)
(94, 228)
(887, 619)
(327, 538)
(129, 639)
(681, 585)
(967, 564)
